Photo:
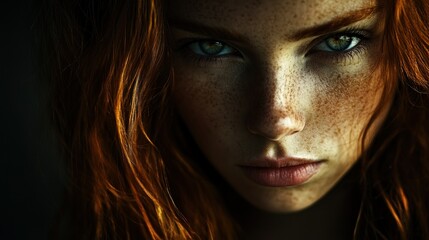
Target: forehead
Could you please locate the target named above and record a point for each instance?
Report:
(264, 15)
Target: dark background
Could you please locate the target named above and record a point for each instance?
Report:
(31, 175)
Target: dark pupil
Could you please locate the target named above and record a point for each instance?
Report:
(339, 43)
(211, 47)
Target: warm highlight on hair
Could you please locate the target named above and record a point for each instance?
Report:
(130, 174)
(108, 64)
(395, 171)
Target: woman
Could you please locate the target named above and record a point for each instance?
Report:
(175, 115)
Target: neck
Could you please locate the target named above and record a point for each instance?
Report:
(332, 217)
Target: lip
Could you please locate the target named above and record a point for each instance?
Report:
(284, 172)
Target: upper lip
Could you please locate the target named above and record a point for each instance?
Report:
(278, 162)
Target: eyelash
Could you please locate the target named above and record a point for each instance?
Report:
(361, 46)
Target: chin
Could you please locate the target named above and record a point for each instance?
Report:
(281, 200)
(282, 206)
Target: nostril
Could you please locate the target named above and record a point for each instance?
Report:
(275, 129)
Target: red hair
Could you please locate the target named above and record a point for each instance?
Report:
(395, 171)
(111, 81)
(131, 175)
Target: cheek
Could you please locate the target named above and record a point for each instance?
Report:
(342, 112)
(208, 103)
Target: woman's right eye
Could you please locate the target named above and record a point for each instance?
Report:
(211, 49)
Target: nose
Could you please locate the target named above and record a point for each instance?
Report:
(274, 111)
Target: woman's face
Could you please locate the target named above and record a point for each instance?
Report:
(276, 93)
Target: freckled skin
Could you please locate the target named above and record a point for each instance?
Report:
(274, 100)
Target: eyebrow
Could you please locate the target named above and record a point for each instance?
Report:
(335, 24)
(216, 32)
(225, 34)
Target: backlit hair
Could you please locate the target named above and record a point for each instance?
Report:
(395, 171)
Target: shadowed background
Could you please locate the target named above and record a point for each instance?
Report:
(31, 173)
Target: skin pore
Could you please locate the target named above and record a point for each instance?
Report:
(257, 80)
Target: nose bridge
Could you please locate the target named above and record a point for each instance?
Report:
(275, 113)
(279, 86)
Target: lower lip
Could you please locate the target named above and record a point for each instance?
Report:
(283, 176)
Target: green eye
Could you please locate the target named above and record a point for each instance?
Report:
(339, 43)
(210, 48)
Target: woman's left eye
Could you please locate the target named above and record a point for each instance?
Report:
(339, 43)
(211, 48)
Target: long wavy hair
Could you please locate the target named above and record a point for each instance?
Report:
(132, 176)
(395, 171)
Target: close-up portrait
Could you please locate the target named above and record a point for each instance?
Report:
(237, 119)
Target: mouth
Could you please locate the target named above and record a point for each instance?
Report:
(284, 172)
